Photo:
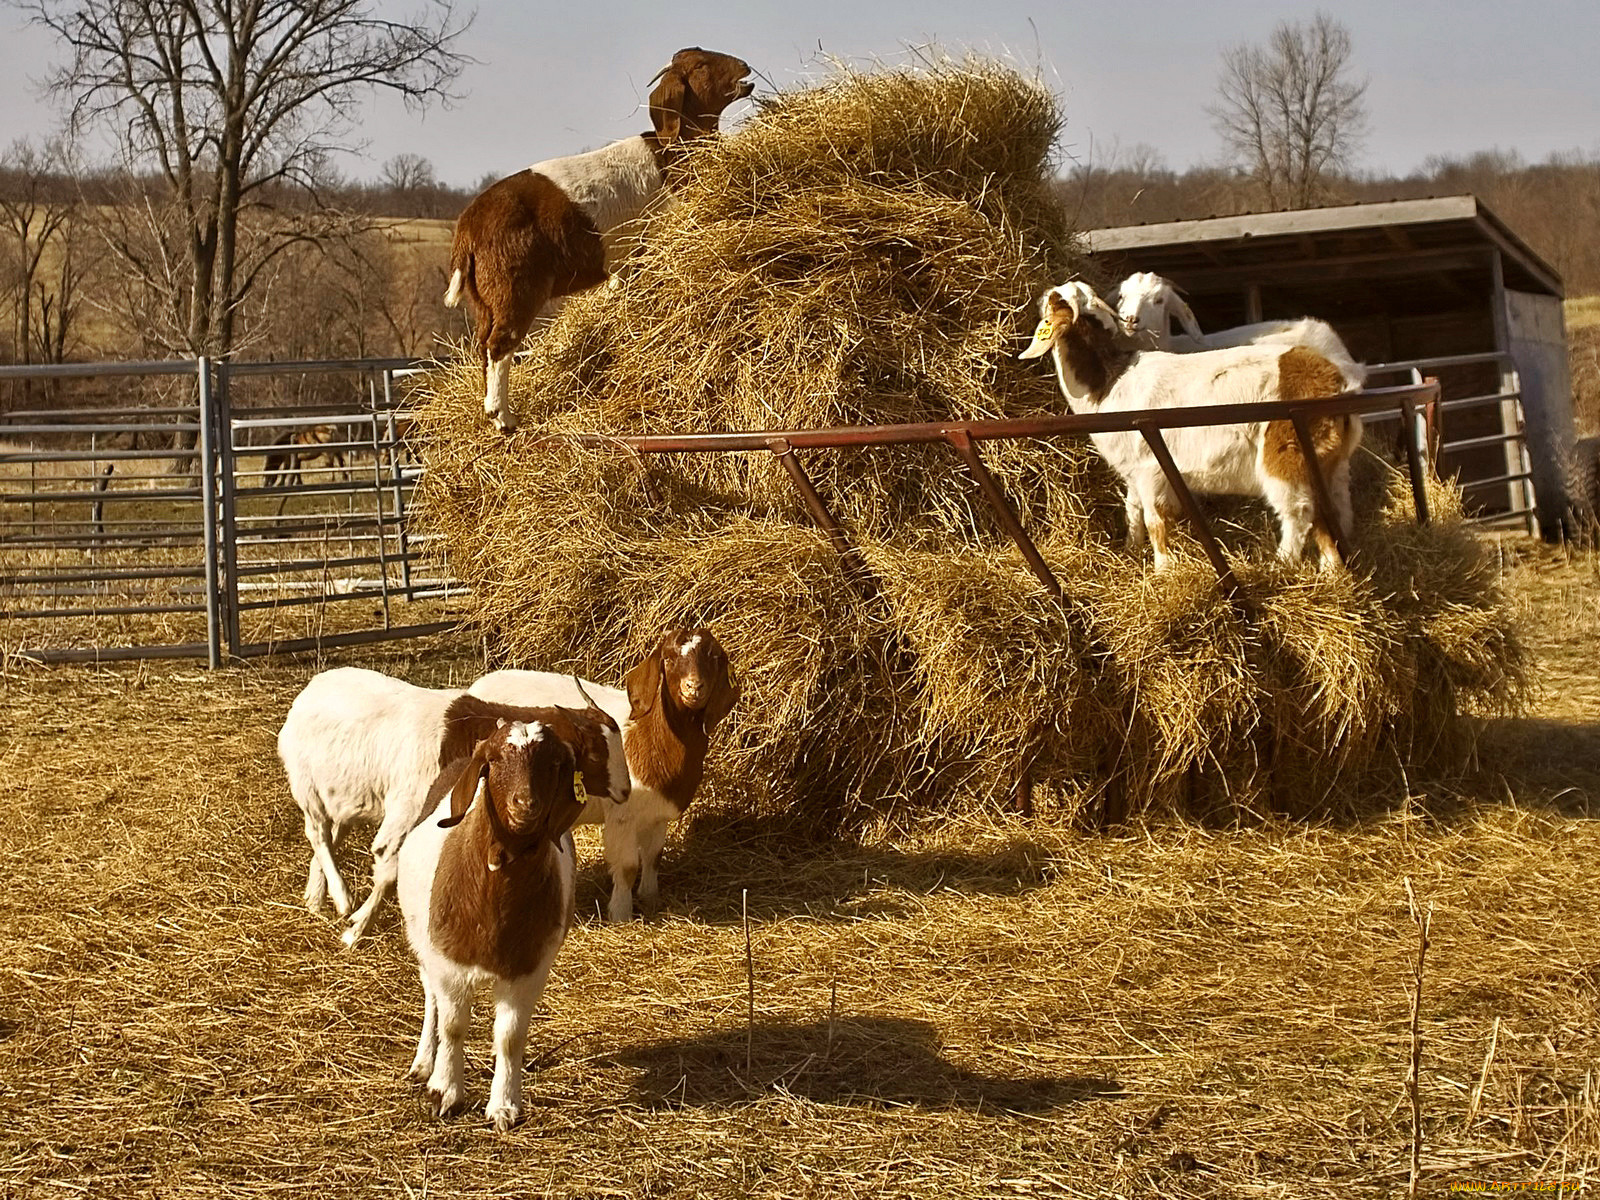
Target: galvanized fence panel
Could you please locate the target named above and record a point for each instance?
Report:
(266, 508)
(262, 508)
(106, 530)
(1500, 498)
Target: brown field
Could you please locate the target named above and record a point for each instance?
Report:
(1583, 353)
(998, 1008)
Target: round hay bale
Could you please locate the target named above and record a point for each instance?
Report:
(869, 251)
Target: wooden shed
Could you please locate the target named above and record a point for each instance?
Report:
(1438, 287)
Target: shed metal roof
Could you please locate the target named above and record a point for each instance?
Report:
(1371, 240)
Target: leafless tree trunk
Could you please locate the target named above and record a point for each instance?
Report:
(1290, 112)
(37, 212)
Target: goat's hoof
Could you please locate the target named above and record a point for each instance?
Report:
(420, 1071)
(351, 936)
(506, 1117)
(445, 1104)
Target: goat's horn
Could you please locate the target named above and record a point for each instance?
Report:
(587, 699)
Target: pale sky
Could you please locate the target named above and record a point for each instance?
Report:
(1444, 77)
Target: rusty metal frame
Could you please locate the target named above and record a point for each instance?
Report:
(962, 436)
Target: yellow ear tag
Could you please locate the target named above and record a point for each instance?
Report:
(1045, 333)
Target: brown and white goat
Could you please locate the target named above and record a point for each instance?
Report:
(486, 886)
(542, 233)
(669, 705)
(1099, 373)
(361, 746)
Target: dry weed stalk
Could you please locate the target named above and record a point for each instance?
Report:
(1424, 924)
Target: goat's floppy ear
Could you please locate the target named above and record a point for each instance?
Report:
(552, 775)
(644, 685)
(666, 105)
(1060, 316)
(1185, 316)
(466, 788)
(592, 752)
(721, 701)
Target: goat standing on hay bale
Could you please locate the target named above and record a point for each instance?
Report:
(1146, 304)
(1099, 373)
(487, 886)
(669, 705)
(538, 234)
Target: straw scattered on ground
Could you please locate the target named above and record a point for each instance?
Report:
(974, 1008)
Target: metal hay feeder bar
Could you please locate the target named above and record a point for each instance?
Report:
(963, 436)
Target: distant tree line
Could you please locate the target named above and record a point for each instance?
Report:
(90, 266)
(1553, 205)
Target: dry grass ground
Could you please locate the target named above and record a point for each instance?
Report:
(995, 1009)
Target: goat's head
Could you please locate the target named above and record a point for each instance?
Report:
(692, 91)
(1145, 302)
(524, 773)
(1060, 308)
(690, 669)
(597, 743)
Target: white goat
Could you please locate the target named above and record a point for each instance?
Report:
(669, 706)
(358, 745)
(1146, 304)
(486, 887)
(1098, 373)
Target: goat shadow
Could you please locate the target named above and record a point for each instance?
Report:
(1551, 762)
(852, 1061)
(709, 863)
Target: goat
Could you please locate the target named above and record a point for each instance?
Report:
(1097, 373)
(541, 234)
(358, 745)
(486, 890)
(291, 451)
(670, 703)
(1146, 304)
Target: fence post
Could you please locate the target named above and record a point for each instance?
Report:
(208, 512)
(230, 531)
(397, 477)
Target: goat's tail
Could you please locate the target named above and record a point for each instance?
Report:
(461, 264)
(452, 296)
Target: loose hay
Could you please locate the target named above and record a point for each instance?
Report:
(868, 251)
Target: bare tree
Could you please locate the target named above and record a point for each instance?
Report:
(1290, 112)
(412, 187)
(407, 172)
(35, 209)
(234, 106)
